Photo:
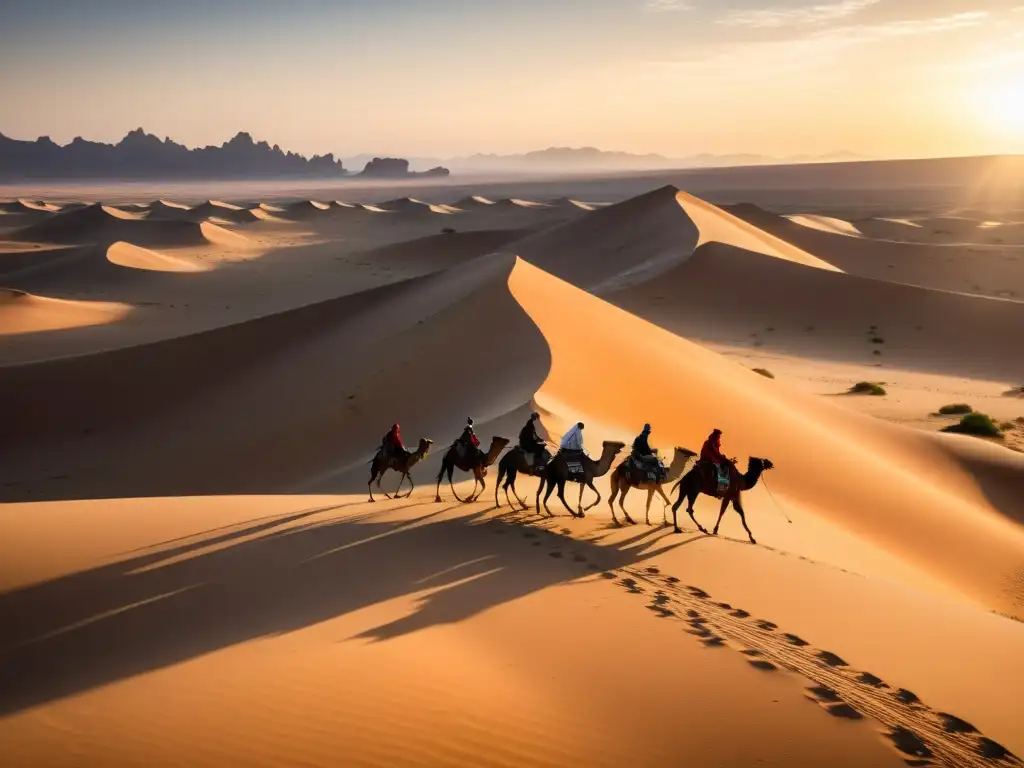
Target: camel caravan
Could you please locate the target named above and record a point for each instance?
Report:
(712, 474)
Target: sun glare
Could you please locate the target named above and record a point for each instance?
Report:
(1003, 104)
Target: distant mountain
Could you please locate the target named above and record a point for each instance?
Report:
(142, 155)
(590, 159)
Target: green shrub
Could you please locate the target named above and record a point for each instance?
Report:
(977, 424)
(867, 388)
(765, 372)
(956, 409)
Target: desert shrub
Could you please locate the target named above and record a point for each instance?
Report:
(1007, 426)
(956, 409)
(867, 388)
(977, 424)
(765, 372)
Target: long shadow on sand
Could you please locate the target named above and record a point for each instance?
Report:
(190, 597)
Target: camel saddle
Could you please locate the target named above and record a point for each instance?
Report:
(574, 463)
(536, 459)
(715, 478)
(461, 451)
(645, 469)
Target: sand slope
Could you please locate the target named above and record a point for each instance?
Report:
(637, 240)
(993, 271)
(24, 313)
(830, 315)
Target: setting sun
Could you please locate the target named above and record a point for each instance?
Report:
(1002, 104)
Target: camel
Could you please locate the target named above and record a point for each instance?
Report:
(556, 473)
(621, 483)
(402, 464)
(472, 463)
(511, 464)
(695, 482)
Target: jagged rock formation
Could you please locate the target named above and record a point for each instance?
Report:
(143, 155)
(396, 168)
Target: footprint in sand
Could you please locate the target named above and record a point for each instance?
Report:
(794, 640)
(556, 553)
(831, 659)
(767, 626)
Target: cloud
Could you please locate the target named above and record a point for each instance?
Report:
(657, 6)
(802, 15)
(813, 49)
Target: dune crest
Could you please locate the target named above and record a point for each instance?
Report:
(133, 257)
(22, 312)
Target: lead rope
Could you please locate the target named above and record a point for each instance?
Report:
(764, 480)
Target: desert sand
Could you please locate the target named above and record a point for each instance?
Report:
(192, 573)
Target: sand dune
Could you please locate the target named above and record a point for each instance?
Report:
(434, 252)
(94, 270)
(187, 579)
(989, 271)
(22, 312)
(105, 224)
(473, 201)
(637, 240)
(825, 224)
(829, 315)
(28, 206)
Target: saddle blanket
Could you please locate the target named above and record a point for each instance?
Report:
(575, 468)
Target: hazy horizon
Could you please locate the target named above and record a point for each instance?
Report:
(880, 78)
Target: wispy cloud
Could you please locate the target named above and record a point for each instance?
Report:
(801, 15)
(657, 6)
(813, 48)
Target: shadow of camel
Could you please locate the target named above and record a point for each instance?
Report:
(193, 596)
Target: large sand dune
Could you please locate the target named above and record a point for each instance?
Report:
(192, 573)
(728, 293)
(637, 240)
(881, 254)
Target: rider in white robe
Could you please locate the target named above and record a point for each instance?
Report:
(573, 439)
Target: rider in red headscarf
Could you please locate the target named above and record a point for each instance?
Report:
(392, 442)
(712, 450)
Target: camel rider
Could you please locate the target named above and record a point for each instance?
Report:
(573, 439)
(643, 454)
(711, 452)
(468, 439)
(529, 440)
(392, 444)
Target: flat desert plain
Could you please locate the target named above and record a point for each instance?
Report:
(191, 571)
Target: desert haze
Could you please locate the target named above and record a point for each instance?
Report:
(193, 571)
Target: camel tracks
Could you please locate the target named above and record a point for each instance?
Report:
(921, 735)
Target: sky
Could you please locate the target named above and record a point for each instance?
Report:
(443, 78)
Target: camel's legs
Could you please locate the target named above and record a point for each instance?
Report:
(369, 483)
(561, 495)
(691, 498)
(661, 492)
(590, 485)
(721, 513)
(445, 468)
(743, 518)
(522, 503)
(622, 506)
(650, 495)
(478, 476)
(611, 500)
